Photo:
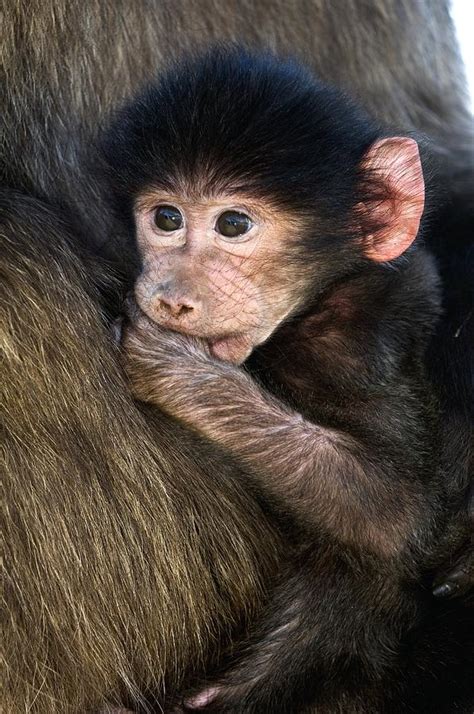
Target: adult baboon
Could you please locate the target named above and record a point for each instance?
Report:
(131, 546)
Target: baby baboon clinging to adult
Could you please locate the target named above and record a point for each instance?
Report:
(276, 227)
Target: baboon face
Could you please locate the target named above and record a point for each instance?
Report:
(215, 268)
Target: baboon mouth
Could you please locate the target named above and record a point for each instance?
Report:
(231, 348)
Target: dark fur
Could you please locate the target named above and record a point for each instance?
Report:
(365, 521)
(65, 66)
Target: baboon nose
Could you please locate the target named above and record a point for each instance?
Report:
(176, 308)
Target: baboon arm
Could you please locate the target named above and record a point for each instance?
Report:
(325, 476)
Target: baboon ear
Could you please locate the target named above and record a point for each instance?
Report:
(395, 162)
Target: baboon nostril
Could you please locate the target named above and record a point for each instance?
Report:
(176, 309)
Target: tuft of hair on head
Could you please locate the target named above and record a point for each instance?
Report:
(232, 120)
(230, 116)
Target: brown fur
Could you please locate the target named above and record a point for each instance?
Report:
(302, 465)
(127, 545)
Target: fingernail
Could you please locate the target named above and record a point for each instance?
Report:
(444, 590)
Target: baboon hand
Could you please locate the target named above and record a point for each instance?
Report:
(155, 357)
(458, 578)
(142, 335)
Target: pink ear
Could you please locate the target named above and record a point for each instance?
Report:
(397, 161)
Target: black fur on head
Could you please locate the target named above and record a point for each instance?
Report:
(234, 120)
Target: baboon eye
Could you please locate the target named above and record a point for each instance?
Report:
(233, 224)
(168, 218)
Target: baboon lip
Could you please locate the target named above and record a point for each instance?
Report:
(231, 348)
